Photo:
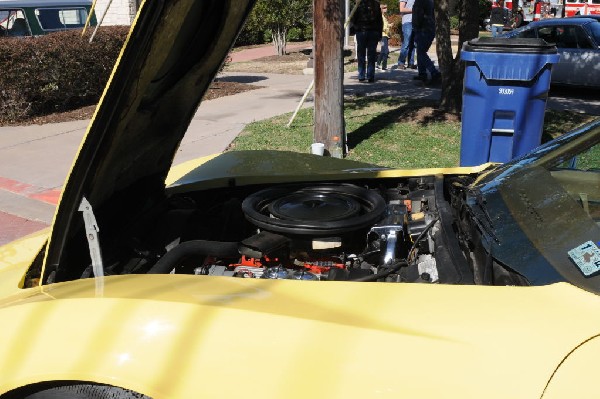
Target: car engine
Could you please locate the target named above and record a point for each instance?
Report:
(410, 229)
(428, 229)
(313, 231)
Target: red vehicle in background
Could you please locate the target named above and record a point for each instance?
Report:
(582, 7)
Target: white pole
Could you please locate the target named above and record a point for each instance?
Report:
(89, 17)
(312, 83)
(346, 28)
(101, 20)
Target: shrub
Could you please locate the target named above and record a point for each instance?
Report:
(295, 35)
(300, 34)
(308, 32)
(454, 22)
(250, 35)
(56, 72)
(267, 36)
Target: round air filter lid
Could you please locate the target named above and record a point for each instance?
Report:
(314, 210)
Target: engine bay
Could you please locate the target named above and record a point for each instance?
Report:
(334, 232)
(321, 232)
(388, 230)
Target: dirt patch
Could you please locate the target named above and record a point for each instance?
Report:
(391, 110)
(293, 63)
(74, 115)
(223, 89)
(216, 90)
(428, 114)
(289, 64)
(289, 45)
(424, 112)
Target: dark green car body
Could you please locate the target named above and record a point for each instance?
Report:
(21, 18)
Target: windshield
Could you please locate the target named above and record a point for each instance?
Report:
(544, 208)
(580, 178)
(595, 30)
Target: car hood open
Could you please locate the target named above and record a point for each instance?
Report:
(173, 52)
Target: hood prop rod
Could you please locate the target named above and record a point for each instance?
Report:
(91, 233)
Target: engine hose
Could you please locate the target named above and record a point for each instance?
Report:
(374, 277)
(188, 249)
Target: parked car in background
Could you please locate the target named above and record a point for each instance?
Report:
(582, 7)
(20, 18)
(578, 44)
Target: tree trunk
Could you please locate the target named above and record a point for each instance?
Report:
(451, 66)
(279, 37)
(329, 76)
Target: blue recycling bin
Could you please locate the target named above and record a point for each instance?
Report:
(505, 90)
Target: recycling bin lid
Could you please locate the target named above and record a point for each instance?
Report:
(510, 45)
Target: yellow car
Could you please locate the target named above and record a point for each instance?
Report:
(280, 275)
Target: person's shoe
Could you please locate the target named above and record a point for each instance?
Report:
(377, 67)
(412, 66)
(371, 80)
(422, 78)
(361, 79)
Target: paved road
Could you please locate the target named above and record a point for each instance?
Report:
(34, 160)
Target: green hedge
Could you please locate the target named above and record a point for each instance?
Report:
(56, 72)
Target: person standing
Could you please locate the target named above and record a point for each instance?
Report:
(408, 38)
(367, 23)
(423, 21)
(497, 18)
(385, 35)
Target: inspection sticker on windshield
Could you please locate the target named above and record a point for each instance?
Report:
(586, 257)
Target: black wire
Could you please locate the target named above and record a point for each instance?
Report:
(393, 268)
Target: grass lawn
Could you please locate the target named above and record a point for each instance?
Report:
(386, 131)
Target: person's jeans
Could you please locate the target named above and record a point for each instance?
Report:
(366, 52)
(496, 30)
(407, 45)
(423, 40)
(383, 53)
